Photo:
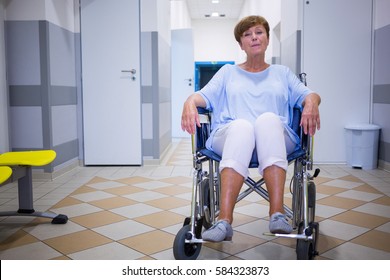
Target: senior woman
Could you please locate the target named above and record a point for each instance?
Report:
(251, 105)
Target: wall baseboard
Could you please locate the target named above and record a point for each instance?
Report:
(384, 165)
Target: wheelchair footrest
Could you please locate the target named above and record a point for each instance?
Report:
(290, 235)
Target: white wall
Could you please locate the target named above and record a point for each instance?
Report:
(214, 40)
(338, 68)
(60, 13)
(180, 17)
(4, 141)
(25, 10)
(382, 10)
(291, 13)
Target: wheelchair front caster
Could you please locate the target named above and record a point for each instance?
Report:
(183, 250)
(305, 250)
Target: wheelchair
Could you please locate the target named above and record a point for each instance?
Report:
(206, 193)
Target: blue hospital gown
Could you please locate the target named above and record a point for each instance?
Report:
(234, 93)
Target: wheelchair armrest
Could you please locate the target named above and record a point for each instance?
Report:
(202, 133)
(306, 141)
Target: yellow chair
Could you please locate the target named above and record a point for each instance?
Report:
(21, 164)
(5, 174)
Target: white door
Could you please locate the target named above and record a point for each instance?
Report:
(182, 75)
(337, 59)
(110, 32)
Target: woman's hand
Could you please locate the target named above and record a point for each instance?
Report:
(190, 116)
(310, 119)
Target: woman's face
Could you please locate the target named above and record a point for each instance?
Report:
(254, 40)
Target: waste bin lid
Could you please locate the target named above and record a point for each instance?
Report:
(362, 126)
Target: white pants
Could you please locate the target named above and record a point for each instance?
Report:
(236, 142)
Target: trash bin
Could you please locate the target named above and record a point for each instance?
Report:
(362, 145)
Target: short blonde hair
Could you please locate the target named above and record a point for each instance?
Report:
(248, 22)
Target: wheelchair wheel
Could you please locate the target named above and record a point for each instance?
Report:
(306, 249)
(312, 201)
(183, 250)
(205, 188)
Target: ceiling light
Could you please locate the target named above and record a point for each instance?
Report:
(215, 1)
(215, 14)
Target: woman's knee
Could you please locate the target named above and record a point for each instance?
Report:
(241, 127)
(242, 133)
(268, 118)
(269, 123)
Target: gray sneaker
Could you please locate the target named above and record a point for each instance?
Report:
(279, 224)
(220, 231)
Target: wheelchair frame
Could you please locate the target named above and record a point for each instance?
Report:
(206, 193)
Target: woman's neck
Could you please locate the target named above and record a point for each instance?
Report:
(254, 65)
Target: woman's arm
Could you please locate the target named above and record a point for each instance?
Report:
(190, 115)
(310, 119)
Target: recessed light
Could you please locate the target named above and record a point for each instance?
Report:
(215, 14)
(215, 1)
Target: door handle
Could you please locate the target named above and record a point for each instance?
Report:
(132, 71)
(189, 81)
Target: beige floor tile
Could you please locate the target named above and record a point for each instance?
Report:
(241, 219)
(289, 242)
(113, 202)
(68, 201)
(160, 219)
(61, 258)
(343, 184)
(329, 190)
(150, 242)
(84, 240)
(319, 180)
(98, 219)
(82, 190)
(326, 243)
(374, 239)
(134, 180)
(125, 190)
(241, 242)
(360, 219)
(110, 251)
(340, 202)
(31, 251)
(19, 238)
(97, 179)
(350, 178)
(367, 188)
(385, 200)
(168, 203)
(173, 190)
(177, 180)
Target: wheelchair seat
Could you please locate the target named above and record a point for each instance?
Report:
(295, 125)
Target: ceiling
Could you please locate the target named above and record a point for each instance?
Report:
(202, 9)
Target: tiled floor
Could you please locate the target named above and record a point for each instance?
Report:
(135, 213)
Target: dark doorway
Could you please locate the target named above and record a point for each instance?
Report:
(204, 71)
